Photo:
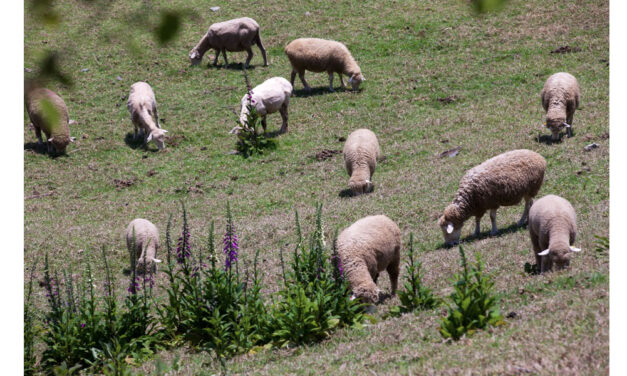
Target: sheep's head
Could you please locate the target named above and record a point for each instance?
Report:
(368, 294)
(146, 266)
(195, 57)
(158, 137)
(359, 187)
(451, 229)
(556, 125)
(560, 256)
(355, 80)
(60, 142)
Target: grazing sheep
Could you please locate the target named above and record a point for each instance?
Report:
(146, 240)
(361, 152)
(143, 108)
(366, 248)
(270, 96)
(560, 99)
(500, 181)
(321, 55)
(234, 36)
(48, 113)
(552, 227)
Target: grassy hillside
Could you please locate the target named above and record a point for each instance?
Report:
(437, 77)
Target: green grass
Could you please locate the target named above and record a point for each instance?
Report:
(412, 54)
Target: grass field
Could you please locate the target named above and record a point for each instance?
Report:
(438, 76)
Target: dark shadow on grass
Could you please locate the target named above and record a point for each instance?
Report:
(486, 234)
(302, 93)
(532, 269)
(384, 296)
(546, 138)
(42, 149)
(138, 143)
(346, 193)
(272, 134)
(232, 66)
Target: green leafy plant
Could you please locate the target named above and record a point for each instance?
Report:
(29, 328)
(415, 296)
(602, 248)
(473, 303)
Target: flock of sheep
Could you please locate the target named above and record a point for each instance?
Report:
(371, 244)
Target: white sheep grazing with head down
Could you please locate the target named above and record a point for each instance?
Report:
(321, 55)
(143, 108)
(270, 96)
(366, 248)
(553, 228)
(560, 99)
(361, 152)
(145, 236)
(233, 35)
(503, 180)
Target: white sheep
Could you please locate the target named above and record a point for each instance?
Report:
(268, 97)
(48, 113)
(560, 99)
(553, 228)
(234, 36)
(143, 108)
(361, 152)
(145, 236)
(503, 180)
(321, 55)
(366, 248)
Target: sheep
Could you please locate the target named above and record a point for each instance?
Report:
(48, 113)
(361, 152)
(321, 55)
(145, 236)
(503, 180)
(143, 108)
(560, 99)
(270, 96)
(233, 35)
(553, 228)
(366, 248)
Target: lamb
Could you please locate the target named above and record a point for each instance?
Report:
(321, 55)
(560, 99)
(145, 236)
(270, 96)
(503, 180)
(234, 36)
(48, 113)
(366, 248)
(552, 227)
(143, 108)
(361, 152)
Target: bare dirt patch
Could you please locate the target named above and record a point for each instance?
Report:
(326, 154)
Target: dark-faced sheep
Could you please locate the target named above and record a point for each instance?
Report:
(553, 228)
(48, 113)
(361, 152)
(560, 99)
(234, 36)
(366, 248)
(503, 180)
(321, 55)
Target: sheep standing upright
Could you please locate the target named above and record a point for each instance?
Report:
(234, 35)
(321, 55)
(48, 113)
(560, 99)
(366, 248)
(268, 97)
(361, 152)
(503, 180)
(143, 108)
(553, 228)
(145, 236)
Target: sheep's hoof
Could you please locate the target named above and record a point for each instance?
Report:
(331, 89)
(494, 232)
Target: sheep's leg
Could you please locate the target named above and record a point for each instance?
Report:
(38, 134)
(393, 269)
(134, 132)
(250, 56)
(154, 109)
(301, 75)
(569, 121)
(293, 77)
(226, 62)
(331, 82)
(376, 278)
(215, 61)
(263, 123)
(283, 111)
(263, 51)
(536, 250)
(478, 224)
(495, 230)
(523, 219)
(342, 81)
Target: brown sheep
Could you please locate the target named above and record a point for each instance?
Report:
(48, 113)
(503, 180)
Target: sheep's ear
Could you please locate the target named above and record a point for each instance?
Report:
(164, 131)
(449, 228)
(566, 125)
(50, 139)
(350, 80)
(573, 249)
(363, 78)
(149, 138)
(156, 260)
(544, 253)
(72, 139)
(353, 297)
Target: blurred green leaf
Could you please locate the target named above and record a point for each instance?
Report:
(50, 113)
(49, 67)
(483, 6)
(168, 27)
(43, 10)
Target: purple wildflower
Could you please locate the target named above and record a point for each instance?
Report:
(230, 246)
(82, 325)
(148, 279)
(52, 289)
(183, 249)
(133, 288)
